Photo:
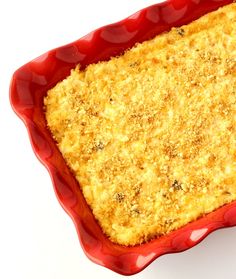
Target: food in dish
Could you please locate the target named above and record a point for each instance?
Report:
(150, 135)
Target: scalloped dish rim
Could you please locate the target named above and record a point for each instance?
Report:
(30, 83)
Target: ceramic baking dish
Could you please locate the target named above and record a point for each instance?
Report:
(28, 87)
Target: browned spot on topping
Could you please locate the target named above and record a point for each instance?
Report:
(226, 193)
(155, 60)
(180, 31)
(119, 197)
(170, 150)
(92, 112)
(99, 146)
(134, 64)
(169, 221)
(176, 185)
(135, 209)
(137, 189)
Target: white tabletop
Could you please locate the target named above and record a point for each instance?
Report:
(38, 240)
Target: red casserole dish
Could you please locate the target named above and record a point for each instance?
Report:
(29, 86)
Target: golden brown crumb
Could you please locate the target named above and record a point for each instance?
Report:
(151, 135)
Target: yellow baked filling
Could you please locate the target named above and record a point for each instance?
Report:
(151, 135)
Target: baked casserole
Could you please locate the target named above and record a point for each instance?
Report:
(150, 135)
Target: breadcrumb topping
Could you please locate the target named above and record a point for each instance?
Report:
(151, 135)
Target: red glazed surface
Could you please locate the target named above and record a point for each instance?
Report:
(30, 84)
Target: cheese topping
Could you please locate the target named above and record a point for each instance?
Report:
(151, 135)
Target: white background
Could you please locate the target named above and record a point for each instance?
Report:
(37, 238)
